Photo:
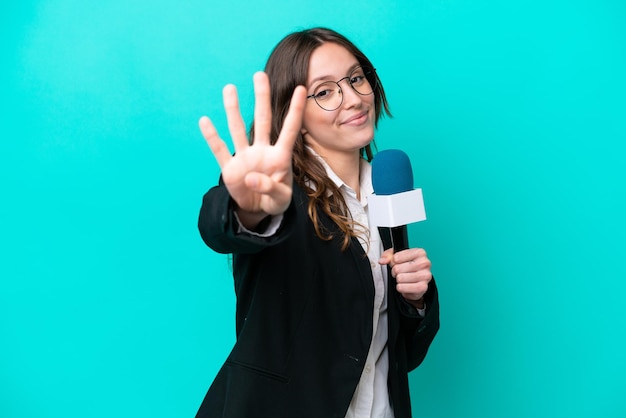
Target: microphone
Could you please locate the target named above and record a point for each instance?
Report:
(395, 203)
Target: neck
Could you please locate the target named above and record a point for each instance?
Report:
(348, 168)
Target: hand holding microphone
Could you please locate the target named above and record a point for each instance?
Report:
(394, 205)
(411, 269)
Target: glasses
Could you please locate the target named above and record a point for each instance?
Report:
(329, 96)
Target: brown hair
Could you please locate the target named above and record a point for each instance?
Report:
(287, 68)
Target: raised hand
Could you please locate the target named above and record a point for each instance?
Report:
(259, 176)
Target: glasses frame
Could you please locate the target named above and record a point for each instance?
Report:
(367, 72)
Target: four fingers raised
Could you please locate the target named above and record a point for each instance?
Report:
(262, 119)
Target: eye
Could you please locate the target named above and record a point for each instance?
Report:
(358, 77)
(324, 91)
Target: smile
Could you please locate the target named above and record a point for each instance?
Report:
(356, 120)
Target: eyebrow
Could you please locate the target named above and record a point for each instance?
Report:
(329, 77)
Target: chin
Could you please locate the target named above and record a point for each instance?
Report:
(365, 142)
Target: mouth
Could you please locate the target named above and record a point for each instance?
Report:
(357, 119)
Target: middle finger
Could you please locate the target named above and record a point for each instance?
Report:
(262, 109)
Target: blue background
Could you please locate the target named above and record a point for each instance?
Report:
(513, 114)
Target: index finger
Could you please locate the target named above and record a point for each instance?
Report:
(410, 254)
(293, 120)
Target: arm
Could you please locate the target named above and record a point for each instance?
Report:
(416, 289)
(220, 230)
(420, 332)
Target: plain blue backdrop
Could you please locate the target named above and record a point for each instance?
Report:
(513, 114)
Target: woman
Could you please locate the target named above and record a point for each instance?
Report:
(328, 324)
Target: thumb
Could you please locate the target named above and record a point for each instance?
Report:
(258, 182)
(386, 257)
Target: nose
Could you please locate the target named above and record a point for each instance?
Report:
(349, 96)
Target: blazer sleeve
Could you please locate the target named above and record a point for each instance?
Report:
(419, 331)
(219, 228)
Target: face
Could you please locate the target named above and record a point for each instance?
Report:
(344, 131)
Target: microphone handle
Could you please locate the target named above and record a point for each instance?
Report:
(400, 238)
(396, 237)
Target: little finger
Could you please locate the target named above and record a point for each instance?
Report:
(218, 147)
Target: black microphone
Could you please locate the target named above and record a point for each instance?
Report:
(395, 203)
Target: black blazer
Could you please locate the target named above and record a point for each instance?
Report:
(304, 320)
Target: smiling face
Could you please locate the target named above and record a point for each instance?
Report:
(342, 132)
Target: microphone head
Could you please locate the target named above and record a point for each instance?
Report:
(391, 172)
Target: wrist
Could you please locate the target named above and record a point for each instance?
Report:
(250, 220)
(419, 304)
(247, 219)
